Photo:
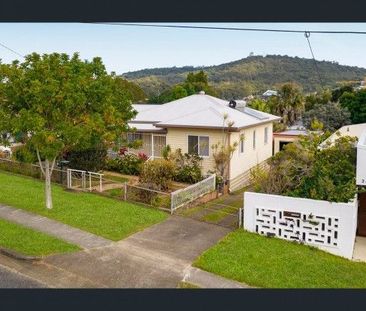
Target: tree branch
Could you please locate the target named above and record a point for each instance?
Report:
(40, 162)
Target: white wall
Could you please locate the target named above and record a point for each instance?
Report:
(178, 138)
(334, 233)
(242, 162)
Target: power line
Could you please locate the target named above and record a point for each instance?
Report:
(307, 36)
(237, 28)
(11, 50)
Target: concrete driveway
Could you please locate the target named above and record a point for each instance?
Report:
(156, 257)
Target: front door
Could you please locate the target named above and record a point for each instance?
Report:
(361, 229)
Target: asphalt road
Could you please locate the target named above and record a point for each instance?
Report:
(11, 279)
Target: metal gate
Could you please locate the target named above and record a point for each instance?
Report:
(215, 212)
(84, 181)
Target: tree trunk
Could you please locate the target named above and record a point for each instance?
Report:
(48, 194)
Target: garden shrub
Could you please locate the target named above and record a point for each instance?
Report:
(188, 166)
(128, 163)
(157, 174)
(93, 159)
(304, 170)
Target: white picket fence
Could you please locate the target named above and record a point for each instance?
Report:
(182, 197)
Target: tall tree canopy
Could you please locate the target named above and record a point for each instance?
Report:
(332, 115)
(304, 170)
(355, 102)
(289, 103)
(61, 102)
(194, 83)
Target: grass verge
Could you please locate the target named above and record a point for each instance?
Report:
(99, 215)
(183, 284)
(30, 242)
(270, 262)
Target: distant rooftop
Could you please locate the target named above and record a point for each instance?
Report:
(354, 130)
(270, 93)
(291, 133)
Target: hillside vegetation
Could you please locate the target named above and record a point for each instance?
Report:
(251, 75)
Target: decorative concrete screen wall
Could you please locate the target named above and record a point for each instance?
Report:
(326, 225)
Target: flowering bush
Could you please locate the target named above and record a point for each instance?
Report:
(157, 174)
(128, 163)
(142, 156)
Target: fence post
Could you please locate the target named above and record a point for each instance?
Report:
(90, 182)
(100, 183)
(125, 192)
(171, 204)
(240, 217)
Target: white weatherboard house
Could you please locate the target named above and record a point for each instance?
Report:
(194, 123)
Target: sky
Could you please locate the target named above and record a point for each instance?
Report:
(130, 48)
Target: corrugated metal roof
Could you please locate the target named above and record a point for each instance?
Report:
(200, 111)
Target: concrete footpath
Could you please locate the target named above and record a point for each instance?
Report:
(157, 257)
(57, 229)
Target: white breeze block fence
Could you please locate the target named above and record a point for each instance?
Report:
(326, 225)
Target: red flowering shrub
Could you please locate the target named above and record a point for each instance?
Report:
(142, 156)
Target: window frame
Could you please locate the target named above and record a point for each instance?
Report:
(241, 147)
(254, 139)
(266, 130)
(198, 144)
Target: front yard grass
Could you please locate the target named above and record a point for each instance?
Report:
(102, 216)
(270, 262)
(30, 242)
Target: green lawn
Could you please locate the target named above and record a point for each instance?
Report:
(29, 242)
(103, 216)
(270, 262)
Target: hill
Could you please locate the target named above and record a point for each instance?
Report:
(251, 75)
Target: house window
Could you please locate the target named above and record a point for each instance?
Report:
(254, 139)
(266, 135)
(241, 148)
(131, 137)
(198, 145)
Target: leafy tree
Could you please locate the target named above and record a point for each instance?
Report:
(332, 176)
(194, 83)
(289, 103)
(338, 92)
(355, 102)
(259, 104)
(314, 99)
(62, 102)
(332, 115)
(91, 159)
(134, 92)
(303, 169)
(223, 151)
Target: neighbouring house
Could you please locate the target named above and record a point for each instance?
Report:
(281, 139)
(195, 123)
(358, 131)
(354, 130)
(269, 93)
